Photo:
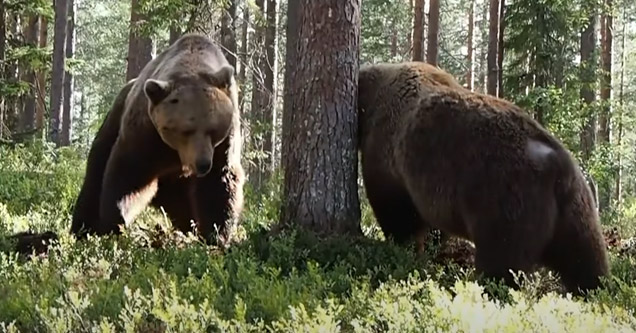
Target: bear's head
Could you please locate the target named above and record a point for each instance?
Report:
(193, 114)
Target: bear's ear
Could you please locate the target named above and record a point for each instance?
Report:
(156, 90)
(221, 78)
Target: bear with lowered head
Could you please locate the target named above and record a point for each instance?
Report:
(478, 167)
(171, 139)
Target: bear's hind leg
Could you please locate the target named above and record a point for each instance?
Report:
(397, 215)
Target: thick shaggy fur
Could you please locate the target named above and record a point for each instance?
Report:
(140, 155)
(437, 155)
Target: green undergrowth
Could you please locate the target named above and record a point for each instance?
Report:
(147, 280)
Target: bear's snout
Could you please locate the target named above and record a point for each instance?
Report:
(203, 166)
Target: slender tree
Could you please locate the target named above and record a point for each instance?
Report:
(433, 32)
(418, 31)
(57, 73)
(320, 186)
(3, 42)
(41, 79)
(483, 49)
(589, 37)
(27, 119)
(606, 77)
(259, 101)
(139, 46)
(618, 193)
(493, 49)
(470, 57)
(242, 76)
(67, 114)
(500, 47)
(270, 70)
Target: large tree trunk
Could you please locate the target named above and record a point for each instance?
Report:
(41, 80)
(3, 42)
(67, 117)
(500, 48)
(418, 31)
(493, 42)
(228, 32)
(291, 53)
(27, 119)
(139, 46)
(321, 164)
(470, 58)
(57, 74)
(588, 79)
(270, 70)
(433, 32)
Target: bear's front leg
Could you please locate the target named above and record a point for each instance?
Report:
(130, 183)
(219, 201)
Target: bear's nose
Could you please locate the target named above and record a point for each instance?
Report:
(203, 167)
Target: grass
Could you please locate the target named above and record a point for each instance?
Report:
(289, 282)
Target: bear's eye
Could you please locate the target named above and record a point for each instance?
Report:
(188, 132)
(174, 101)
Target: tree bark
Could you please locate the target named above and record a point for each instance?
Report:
(57, 74)
(589, 64)
(493, 42)
(243, 56)
(483, 51)
(291, 53)
(320, 186)
(418, 31)
(27, 119)
(67, 116)
(270, 70)
(41, 79)
(3, 42)
(139, 46)
(259, 102)
(433, 32)
(470, 58)
(606, 77)
(618, 191)
(500, 48)
(228, 32)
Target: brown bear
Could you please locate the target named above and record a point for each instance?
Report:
(434, 154)
(171, 139)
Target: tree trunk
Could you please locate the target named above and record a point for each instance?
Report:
(394, 42)
(418, 31)
(27, 119)
(493, 42)
(41, 80)
(291, 53)
(259, 102)
(270, 70)
(433, 32)
(409, 33)
(3, 42)
(228, 32)
(470, 58)
(320, 187)
(500, 48)
(606, 77)
(175, 33)
(67, 117)
(606, 92)
(57, 74)
(483, 51)
(243, 56)
(139, 46)
(588, 80)
(618, 191)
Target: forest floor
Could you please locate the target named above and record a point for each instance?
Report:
(152, 280)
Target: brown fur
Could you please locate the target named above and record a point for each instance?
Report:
(477, 167)
(180, 111)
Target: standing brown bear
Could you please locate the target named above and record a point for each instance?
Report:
(171, 139)
(437, 155)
